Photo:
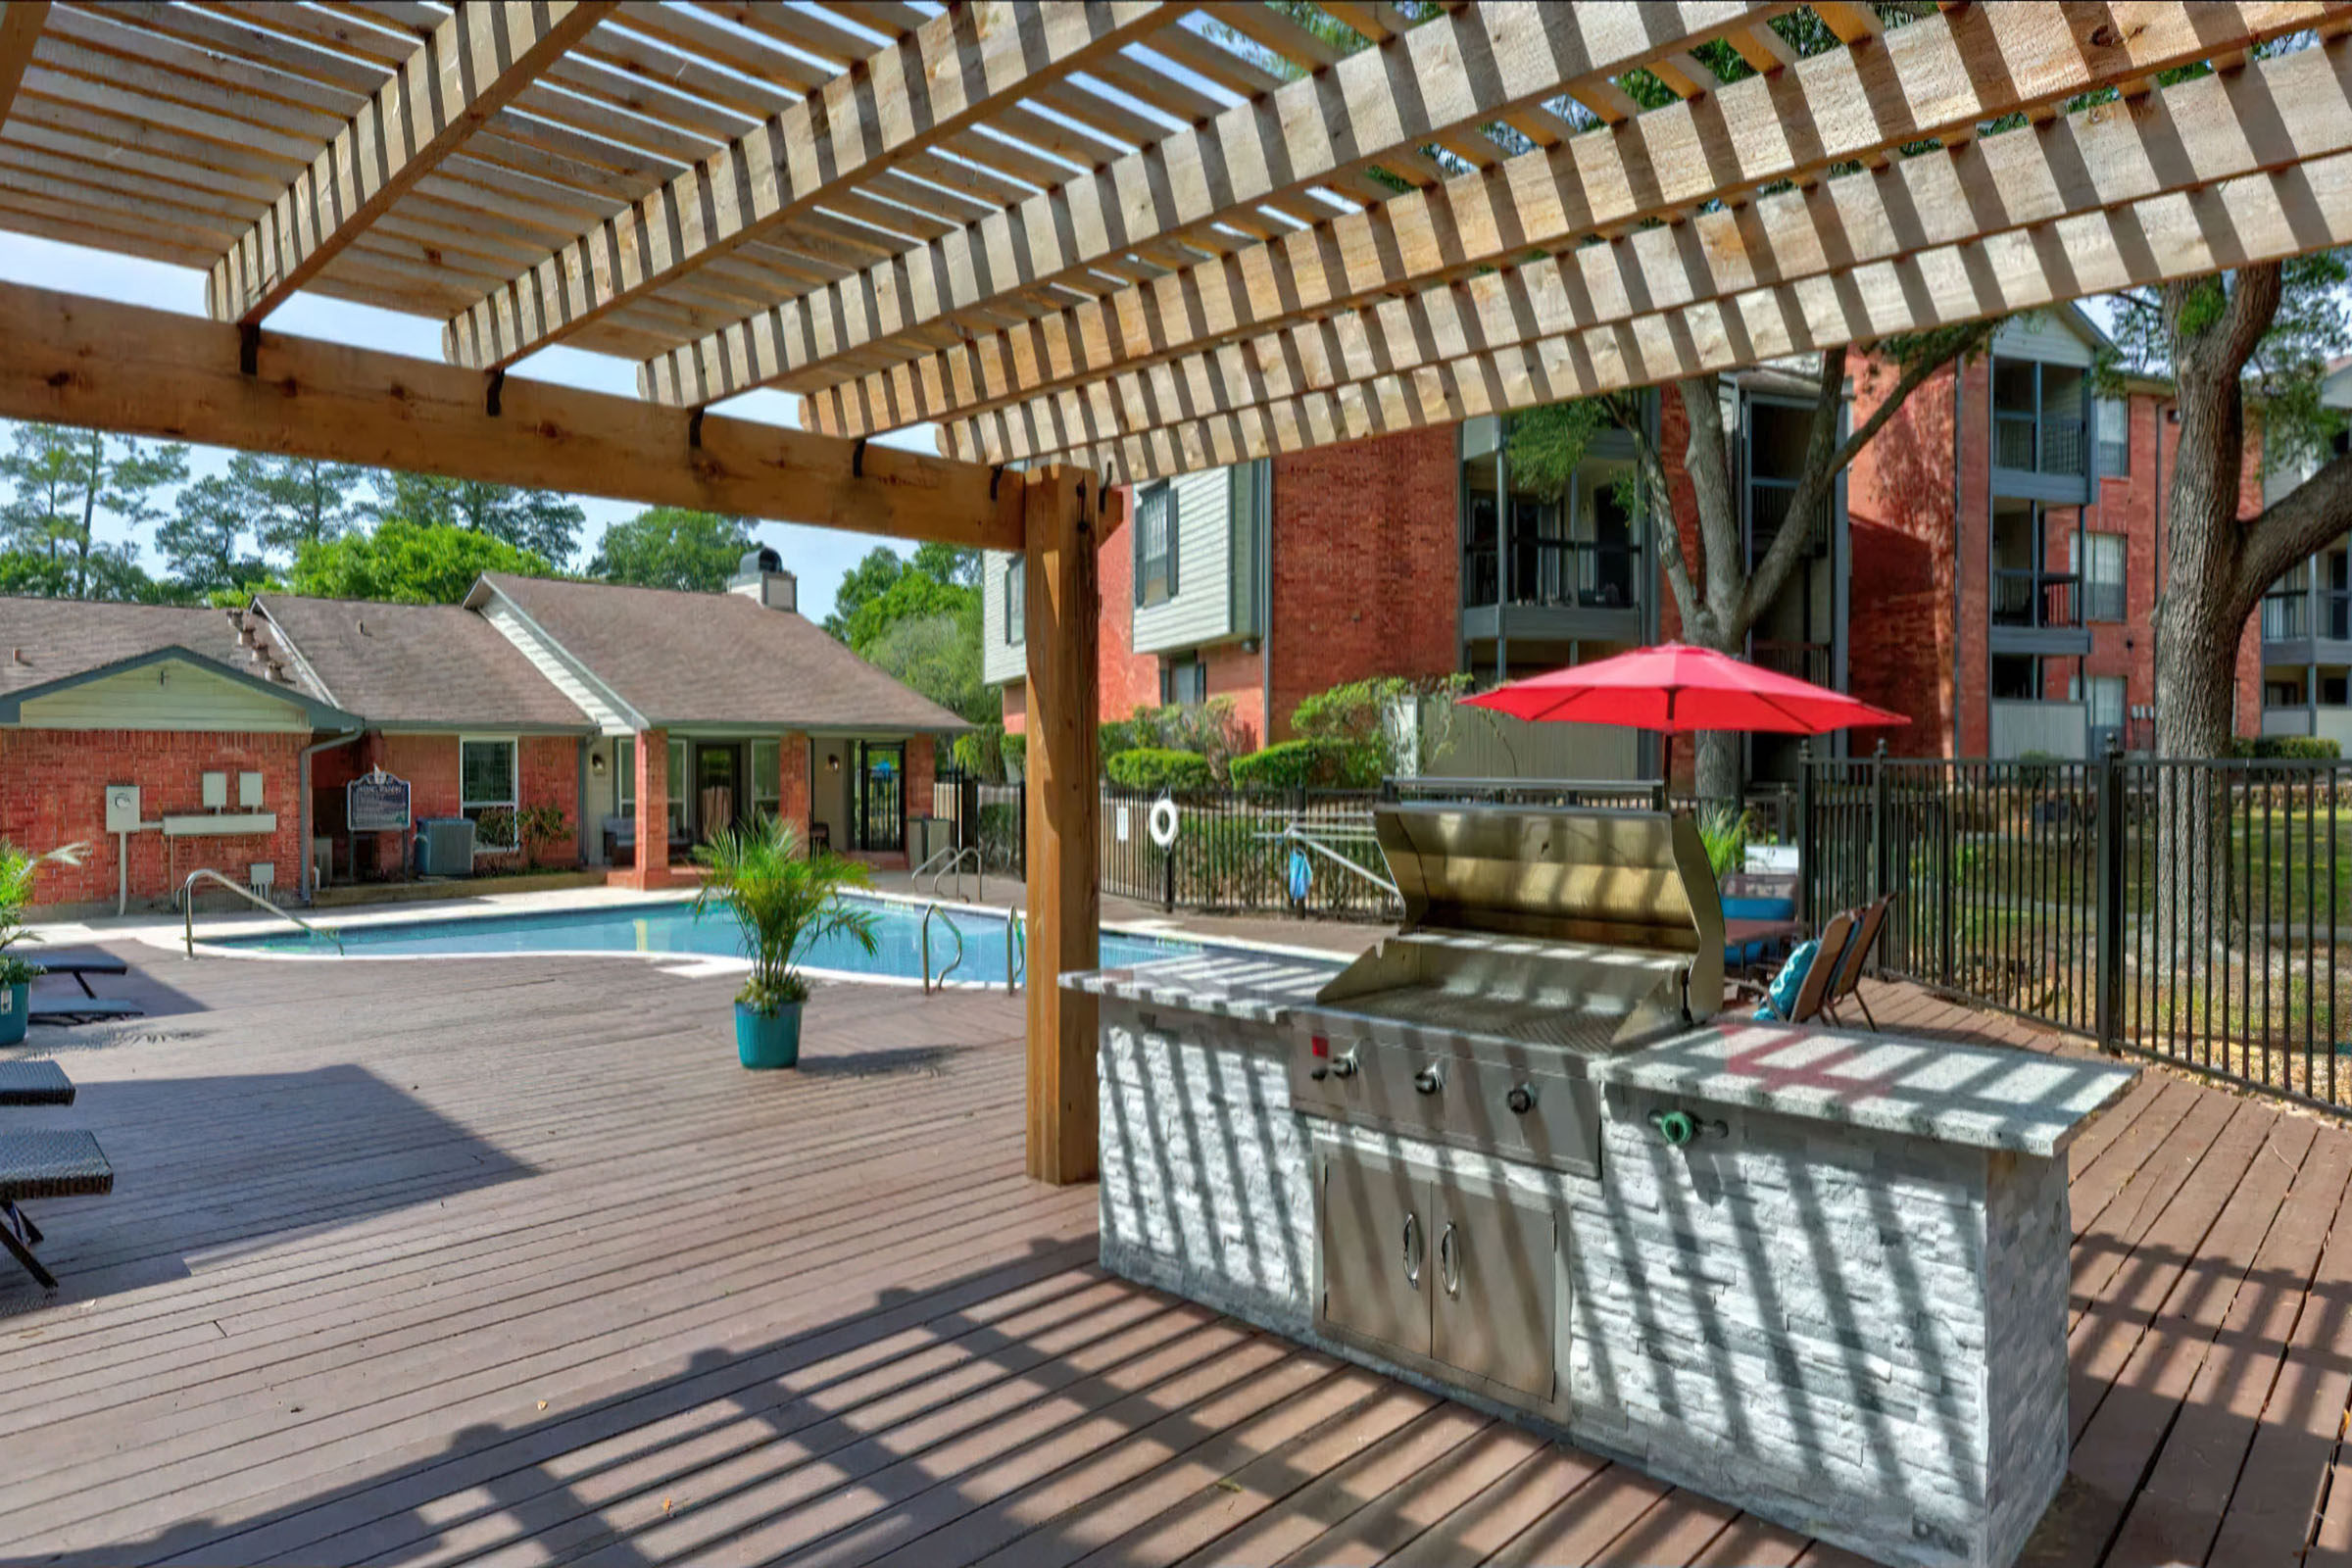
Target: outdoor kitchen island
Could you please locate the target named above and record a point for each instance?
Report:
(1508, 1157)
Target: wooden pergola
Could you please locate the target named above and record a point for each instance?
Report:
(1096, 242)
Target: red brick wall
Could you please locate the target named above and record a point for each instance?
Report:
(1366, 566)
(922, 769)
(429, 763)
(548, 767)
(795, 803)
(51, 794)
(548, 773)
(1901, 529)
(1126, 679)
(651, 869)
(1016, 707)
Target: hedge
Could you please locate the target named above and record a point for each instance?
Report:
(1158, 768)
(1306, 765)
(2290, 748)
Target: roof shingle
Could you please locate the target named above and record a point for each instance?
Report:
(440, 665)
(44, 640)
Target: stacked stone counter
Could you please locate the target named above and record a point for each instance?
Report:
(1841, 1307)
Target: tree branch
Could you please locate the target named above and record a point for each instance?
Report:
(2253, 306)
(1661, 508)
(2306, 519)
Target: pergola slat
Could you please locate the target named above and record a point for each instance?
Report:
(1373, 107)
(962, 66)
(479, 59)
(1940, 74)
(2238, 222)
(2196, 132)
(81, 361)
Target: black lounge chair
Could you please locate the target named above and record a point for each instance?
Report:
(79, 962)
(46, 1163)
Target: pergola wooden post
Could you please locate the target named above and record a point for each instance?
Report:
(1062, 612)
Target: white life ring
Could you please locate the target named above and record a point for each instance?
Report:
(1163, 822)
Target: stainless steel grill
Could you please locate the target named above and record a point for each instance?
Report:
(1534, 940)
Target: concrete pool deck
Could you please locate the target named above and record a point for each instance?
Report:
(517, 1267)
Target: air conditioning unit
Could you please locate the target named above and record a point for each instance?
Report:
(444, 845)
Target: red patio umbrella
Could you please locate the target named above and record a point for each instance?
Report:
(1674, 689)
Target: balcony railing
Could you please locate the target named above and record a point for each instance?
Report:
(1811, 662)
(1554, 573)
(2050, 444)
(2287, 613)
(1768, 503)
(2036, 599)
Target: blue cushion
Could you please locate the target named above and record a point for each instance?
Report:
(1779, 998)
(1754, 909)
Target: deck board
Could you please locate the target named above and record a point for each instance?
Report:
(517, 1267)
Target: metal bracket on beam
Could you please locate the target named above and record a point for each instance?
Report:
(694, 429)
(494, 392)
(857, 459)
(995, 476)
(249, 347)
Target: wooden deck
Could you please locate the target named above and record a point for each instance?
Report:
(503, 1261)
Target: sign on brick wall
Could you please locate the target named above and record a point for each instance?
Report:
(377, 803)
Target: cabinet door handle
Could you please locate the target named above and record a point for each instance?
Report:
(1449, 1265)
(1412, 1248)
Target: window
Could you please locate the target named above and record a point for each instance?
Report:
(1184, 683)
(2016, 678)
(486, 786)
(2106, 702)
(2103, 576)
(624, 773)
(767, 789)
(2115, 437)
(1156, 545)
(1016, 601)
(680, 790)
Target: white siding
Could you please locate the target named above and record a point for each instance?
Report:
(557, 669)
(1477, 743)
(1202, 611)
(2040, 335)
(167, 694)
(1000, 661)
(2057, 729)
(2335, 724)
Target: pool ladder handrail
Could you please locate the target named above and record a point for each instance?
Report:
(930, 909)
(187, 901)
(951, 861)
(1014, 937)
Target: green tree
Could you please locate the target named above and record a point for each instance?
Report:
(949, 564)
(939, 656)
(868, 580)
(916, 595)
(292, 502)
(408, 563)
(63, 481)
(200, 543)
(535, 520)
(669, 547)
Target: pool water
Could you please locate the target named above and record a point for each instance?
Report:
(671, 927)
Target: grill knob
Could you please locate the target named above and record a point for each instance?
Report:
(1344, 1065)
(1521, 1099)
(1430, 1079)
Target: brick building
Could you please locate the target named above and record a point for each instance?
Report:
(640, 715)
(1988, 565)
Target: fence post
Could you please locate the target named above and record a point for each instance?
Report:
(2107, 967)
(1807, 902)
(1879, 849)
(1947, 873)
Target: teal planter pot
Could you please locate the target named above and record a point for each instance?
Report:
(12, 1004)
(762, 1039)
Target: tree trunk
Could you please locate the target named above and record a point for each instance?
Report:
(1715, 755)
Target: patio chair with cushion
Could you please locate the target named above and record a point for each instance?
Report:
(1751, 896)
(1848, 981)
(47, 1163)
(1823, 963)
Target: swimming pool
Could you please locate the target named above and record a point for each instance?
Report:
(670, 926)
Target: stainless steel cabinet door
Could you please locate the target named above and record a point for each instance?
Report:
(1492, 1272)
(1375, 1248)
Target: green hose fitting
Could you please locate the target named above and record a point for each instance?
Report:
(1675, 1128)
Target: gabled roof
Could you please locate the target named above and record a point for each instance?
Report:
(438, 666)
(321, 715)
(678, 657)
(44, 641)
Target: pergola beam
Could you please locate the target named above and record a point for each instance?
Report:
(479, 57)
(21, 23)
(2268, 216)
(82, 362)
(960, 66)
(2200, 131)
(1450, 75)
(1940, 76)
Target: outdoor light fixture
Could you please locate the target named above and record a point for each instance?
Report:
(833, 760)
(596, 764)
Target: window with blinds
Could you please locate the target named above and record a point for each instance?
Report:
(1156, 545)
(2115, 437)
(1016, 601)
(2103, 576)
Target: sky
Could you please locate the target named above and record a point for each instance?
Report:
(819, 557)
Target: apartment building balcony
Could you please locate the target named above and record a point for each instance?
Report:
(1768, 502)
(2307, 626)
(2042, 434)
(2037, 612)
(1553, 588)
(1809, 661)
(2328, 721)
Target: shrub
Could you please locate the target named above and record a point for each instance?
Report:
(1211, 730)
(1306, 765)
(980, 752)
(2288, 748)
(1014, 750)
(1356, 716)
(1158, 768)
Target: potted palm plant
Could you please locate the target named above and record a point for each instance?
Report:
(786, 903)
(16, 870)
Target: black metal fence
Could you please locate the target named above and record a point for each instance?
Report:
(2183, 911)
